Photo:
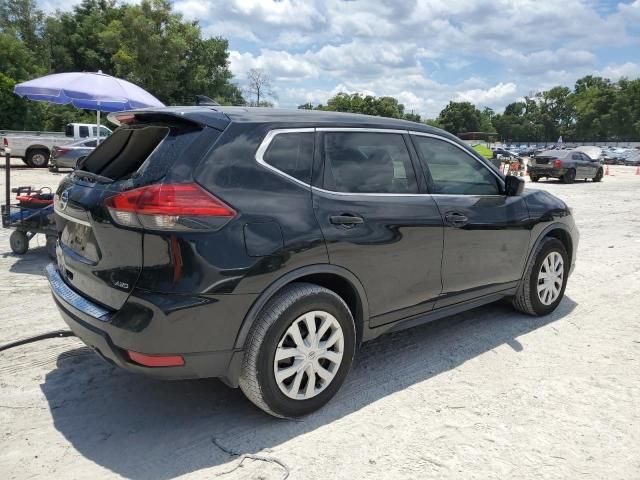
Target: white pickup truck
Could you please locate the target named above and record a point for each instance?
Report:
(34, 148)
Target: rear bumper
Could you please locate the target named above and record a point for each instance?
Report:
(198, 331)
(543, 171)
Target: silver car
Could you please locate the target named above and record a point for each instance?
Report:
(68, 156)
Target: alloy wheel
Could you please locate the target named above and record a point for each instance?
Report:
(38, 159)
(550, 278)
(309, 355)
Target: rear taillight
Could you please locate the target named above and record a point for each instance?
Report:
(5, 142)
(557, 163)
(59, 151)
(183, 206)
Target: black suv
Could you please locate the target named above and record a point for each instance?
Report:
(262, 246)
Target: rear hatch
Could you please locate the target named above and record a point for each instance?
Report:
(97, 255)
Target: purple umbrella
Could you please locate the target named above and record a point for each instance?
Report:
(88, 90)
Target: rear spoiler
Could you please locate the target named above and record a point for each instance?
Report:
(201, 115)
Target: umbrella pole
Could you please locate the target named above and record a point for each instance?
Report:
(98, 122)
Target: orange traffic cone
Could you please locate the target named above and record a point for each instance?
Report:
(606, 170)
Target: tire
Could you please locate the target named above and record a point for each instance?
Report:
(19, 242)
(271, 332)
(569, 177)
(534, 178)
(527, 299)
(51, 246)
(37, 158)
(598, 176)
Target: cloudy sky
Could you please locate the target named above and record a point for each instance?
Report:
(423, 52)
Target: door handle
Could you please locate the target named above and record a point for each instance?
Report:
(456, 219)
(346, 220)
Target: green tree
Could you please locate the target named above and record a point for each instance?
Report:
(459, 117)
(412, 117)
(486, 120)
(23, 19)
(151, 46)
(73, 39)
(555, 113)
(366, 104)
(16, 60)
(433, 122)
(592, 100)
(17, 63)
(625, 109)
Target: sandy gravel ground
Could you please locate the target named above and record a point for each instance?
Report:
(487, 394)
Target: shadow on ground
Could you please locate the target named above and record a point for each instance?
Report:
(557, 181)
(34, 261)
(142, 428)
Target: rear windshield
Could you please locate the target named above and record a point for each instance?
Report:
(145, 151)
(554, 153)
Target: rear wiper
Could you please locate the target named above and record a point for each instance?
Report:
(92, 177)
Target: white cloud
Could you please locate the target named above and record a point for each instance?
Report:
(192, 9)
(281, 65)
(540, 62)
(490, 96)
(617, 71)
(630, 12)
(423, 52)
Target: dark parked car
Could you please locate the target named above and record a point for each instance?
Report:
(567, 165)
(262, 246)
(504, 152)
(632, 159)
(68, 156)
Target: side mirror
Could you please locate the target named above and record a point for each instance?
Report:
(513, 186)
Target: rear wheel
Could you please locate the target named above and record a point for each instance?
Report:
(569, 176)
(299, 351)
(598, 176)
(534, 178)
(545, 279)
(19, 242)
(37, 158)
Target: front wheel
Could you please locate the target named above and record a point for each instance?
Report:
(19, 242)
(545, 279)
(299, 351)
(534, 178)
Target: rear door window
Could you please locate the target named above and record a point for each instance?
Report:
(292, 153)
(454, 171)
(367, 162)
(83, 131)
